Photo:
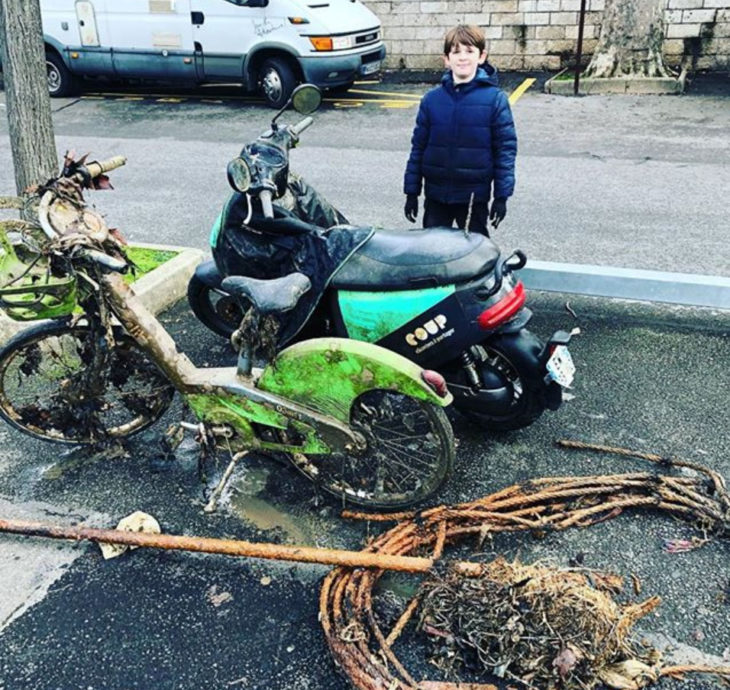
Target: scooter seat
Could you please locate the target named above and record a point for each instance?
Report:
(268, 296)
(412, 259)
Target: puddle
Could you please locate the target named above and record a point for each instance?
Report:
(264, 514)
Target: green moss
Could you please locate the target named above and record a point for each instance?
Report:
(146, 260)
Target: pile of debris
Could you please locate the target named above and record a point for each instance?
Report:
(540, 625)
(534, 624)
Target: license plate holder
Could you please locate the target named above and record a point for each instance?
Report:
(560, 367)
(370, 67)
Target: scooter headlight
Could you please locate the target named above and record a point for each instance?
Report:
(239, 174)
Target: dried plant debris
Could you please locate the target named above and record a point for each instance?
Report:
(538, 625)
(533, 624)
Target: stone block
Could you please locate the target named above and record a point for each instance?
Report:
(683, 30)
(527, 6)
(597, 5)
(502, 47)
(570, 5)
(407, 7)
(537, 18)
(673, 16)
(548, 5)
(477, 18)
(684, 4)
(429, 32)
(550, 62)
(507, 19)
(564, 47)
(589, 31)
(501, 5)
(563, 18)
(427, 7)
(698, 16)
(493, 32)
(536, 47)
(550, 32)
(511, 62)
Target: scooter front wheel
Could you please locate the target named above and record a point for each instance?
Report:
(409, 454)
(214, 308)
(54, 384)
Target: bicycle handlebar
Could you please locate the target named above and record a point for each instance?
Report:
(116, 265)
(96, 168)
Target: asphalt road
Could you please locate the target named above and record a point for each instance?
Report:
(650, 379)
(611, 180)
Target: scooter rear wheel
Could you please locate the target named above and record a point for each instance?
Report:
(528, 398)
(409, 455)
(51, 389)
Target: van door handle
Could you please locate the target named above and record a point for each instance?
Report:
(197, 18)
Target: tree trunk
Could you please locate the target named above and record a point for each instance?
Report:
(28, 103)
(630, 45)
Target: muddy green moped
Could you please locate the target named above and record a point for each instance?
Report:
(362, 422)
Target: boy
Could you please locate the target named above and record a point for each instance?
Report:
(464, 142)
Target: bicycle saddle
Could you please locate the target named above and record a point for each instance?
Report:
(268, 296)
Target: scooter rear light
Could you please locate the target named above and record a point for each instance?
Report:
(503, 310)
(435, 381)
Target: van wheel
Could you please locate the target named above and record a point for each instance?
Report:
(60, 80)
(277, 81)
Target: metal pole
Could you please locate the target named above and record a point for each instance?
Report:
(579, 50)
(230, 547)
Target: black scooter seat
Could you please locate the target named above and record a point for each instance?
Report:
(412, 259)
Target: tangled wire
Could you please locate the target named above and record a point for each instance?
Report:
(365, 652)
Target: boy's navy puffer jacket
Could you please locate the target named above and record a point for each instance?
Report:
(463, 140)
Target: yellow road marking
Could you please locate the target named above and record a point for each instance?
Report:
(399, 96)
(170, 100)
(517, 93)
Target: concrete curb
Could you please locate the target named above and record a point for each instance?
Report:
(618, 85)
(629, 283)
(158, 289)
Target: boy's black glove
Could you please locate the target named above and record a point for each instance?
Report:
(498, 211)
(411, 208)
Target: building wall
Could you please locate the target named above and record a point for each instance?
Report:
(542, 34)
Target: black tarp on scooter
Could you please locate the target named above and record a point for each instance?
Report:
(286, 244)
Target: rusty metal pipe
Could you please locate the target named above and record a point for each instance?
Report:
(232, 547)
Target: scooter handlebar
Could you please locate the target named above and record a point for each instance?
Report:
(298, 128)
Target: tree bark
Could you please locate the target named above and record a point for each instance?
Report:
(28, 103)
(630, 44)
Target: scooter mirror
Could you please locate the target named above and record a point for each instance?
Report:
(306, 98)
(239, 175)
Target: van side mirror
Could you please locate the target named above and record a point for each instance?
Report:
(253, 3)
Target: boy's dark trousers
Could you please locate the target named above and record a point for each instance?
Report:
(437, 214)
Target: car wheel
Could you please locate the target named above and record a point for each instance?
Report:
(60, 80)
(276, 80)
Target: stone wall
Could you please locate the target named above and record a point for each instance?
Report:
(542, 34)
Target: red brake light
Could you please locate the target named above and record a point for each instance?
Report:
(503, 310)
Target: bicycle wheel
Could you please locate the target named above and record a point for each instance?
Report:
(410, 453)
(55, 386)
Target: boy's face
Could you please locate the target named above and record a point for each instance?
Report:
(463, 61)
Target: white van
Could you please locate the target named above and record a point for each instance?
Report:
(268, 44)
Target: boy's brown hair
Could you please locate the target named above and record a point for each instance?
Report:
(468, 35)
